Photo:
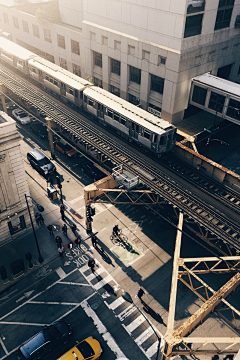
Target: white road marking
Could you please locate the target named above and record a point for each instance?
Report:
(20, 323)
(26, 295)
(4, 347)
(135, 323)
(7, 296)
(102, 283)
(53, 303)
(90, 277)
(116, 303)
(76, 199)
(60, 273)
(73, 283)
(102, 330)
(152, 350)
(128, 311)
(144, 336)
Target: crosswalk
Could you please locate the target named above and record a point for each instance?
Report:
(131, 319)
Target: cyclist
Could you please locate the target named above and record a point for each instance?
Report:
(115, 230)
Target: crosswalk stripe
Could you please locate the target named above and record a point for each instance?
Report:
(90, 277)
(84, 268)
(152, 350)
(76, 199)
(135, 323)
(61, 273)
(116, 303)
(128, 311)
(144, 336)
(103, 282)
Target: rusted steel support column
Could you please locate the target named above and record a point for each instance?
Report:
(50, 136)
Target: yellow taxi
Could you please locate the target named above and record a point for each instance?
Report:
(88, 349)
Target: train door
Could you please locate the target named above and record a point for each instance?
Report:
(100, 111)
(63, 89)
(134, 130)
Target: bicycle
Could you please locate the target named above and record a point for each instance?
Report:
(120, 239)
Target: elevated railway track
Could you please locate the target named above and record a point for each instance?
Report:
(223, 221)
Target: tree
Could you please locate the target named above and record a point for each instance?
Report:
(48, 13)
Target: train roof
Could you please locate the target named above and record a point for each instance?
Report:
(218, 83)
(128, 110)
(59, 73)
(14, 49)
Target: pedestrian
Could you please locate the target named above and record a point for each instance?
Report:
(59, 241)
(64, 229)
(140, 294)
(78, 241)
(91, 264)
(73, 228)
(62, 209)
(70, 246)
(94, 241)
(41, 219)
(60, 251)
(37, 218)
(229, 356)
(215, 357)
(50, 229)
(50, 181)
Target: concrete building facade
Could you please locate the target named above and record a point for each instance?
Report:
(14, 217)
(146, 51)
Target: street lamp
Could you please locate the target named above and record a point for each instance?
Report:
(126, 296)
(41, 209)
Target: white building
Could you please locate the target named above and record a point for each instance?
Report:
(14, 218)
(145, 51)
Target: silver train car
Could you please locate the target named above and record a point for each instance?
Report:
(131, 122)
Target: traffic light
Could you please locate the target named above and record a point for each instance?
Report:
(88, 213)
(208, 141)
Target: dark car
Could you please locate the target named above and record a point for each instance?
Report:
(45, 341)
(39, 129)
(40, 162)
(92, 171)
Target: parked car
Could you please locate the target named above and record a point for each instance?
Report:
(22, 116)
(39, 129)
(45, 341)
(64, 148)
(92, 171)
(40, 162)
(85, 350)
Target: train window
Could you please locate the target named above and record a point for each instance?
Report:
(85, 99)
(51, 80)
(55, 82)
(76, 94)
(154, 138)
(137, 128)
(123, 121)
(199, 95)
(140, 130)
(70, 91)
(116, 117)
(146, 134)
(90, 102)
(216, 102)
(20, 62)
(132, 126)
(109, 113)
(47, 77)
(162, 140)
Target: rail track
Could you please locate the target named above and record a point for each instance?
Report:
(220, 223)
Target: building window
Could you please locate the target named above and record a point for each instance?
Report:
(114, 90)
(146, 55)
(104, 40)
(5, 19)
(193, 25)
(224, 14)
(199, 95)
(133, 99)
(97, 59)
(135, 75)
(115, 67)
(47, 35)
(63, 63)
(16, 225)
(15, 22)
(131, 50)
(161, 60)
(75, 47)
(97, 82)
(216, 102)
(61, 41)
(117, 45)
(36, 31)
(25, 26)
(76, 70)
(157, 84)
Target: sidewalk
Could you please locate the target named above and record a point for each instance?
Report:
(17, 249)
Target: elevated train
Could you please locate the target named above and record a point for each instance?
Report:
(130, 121)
